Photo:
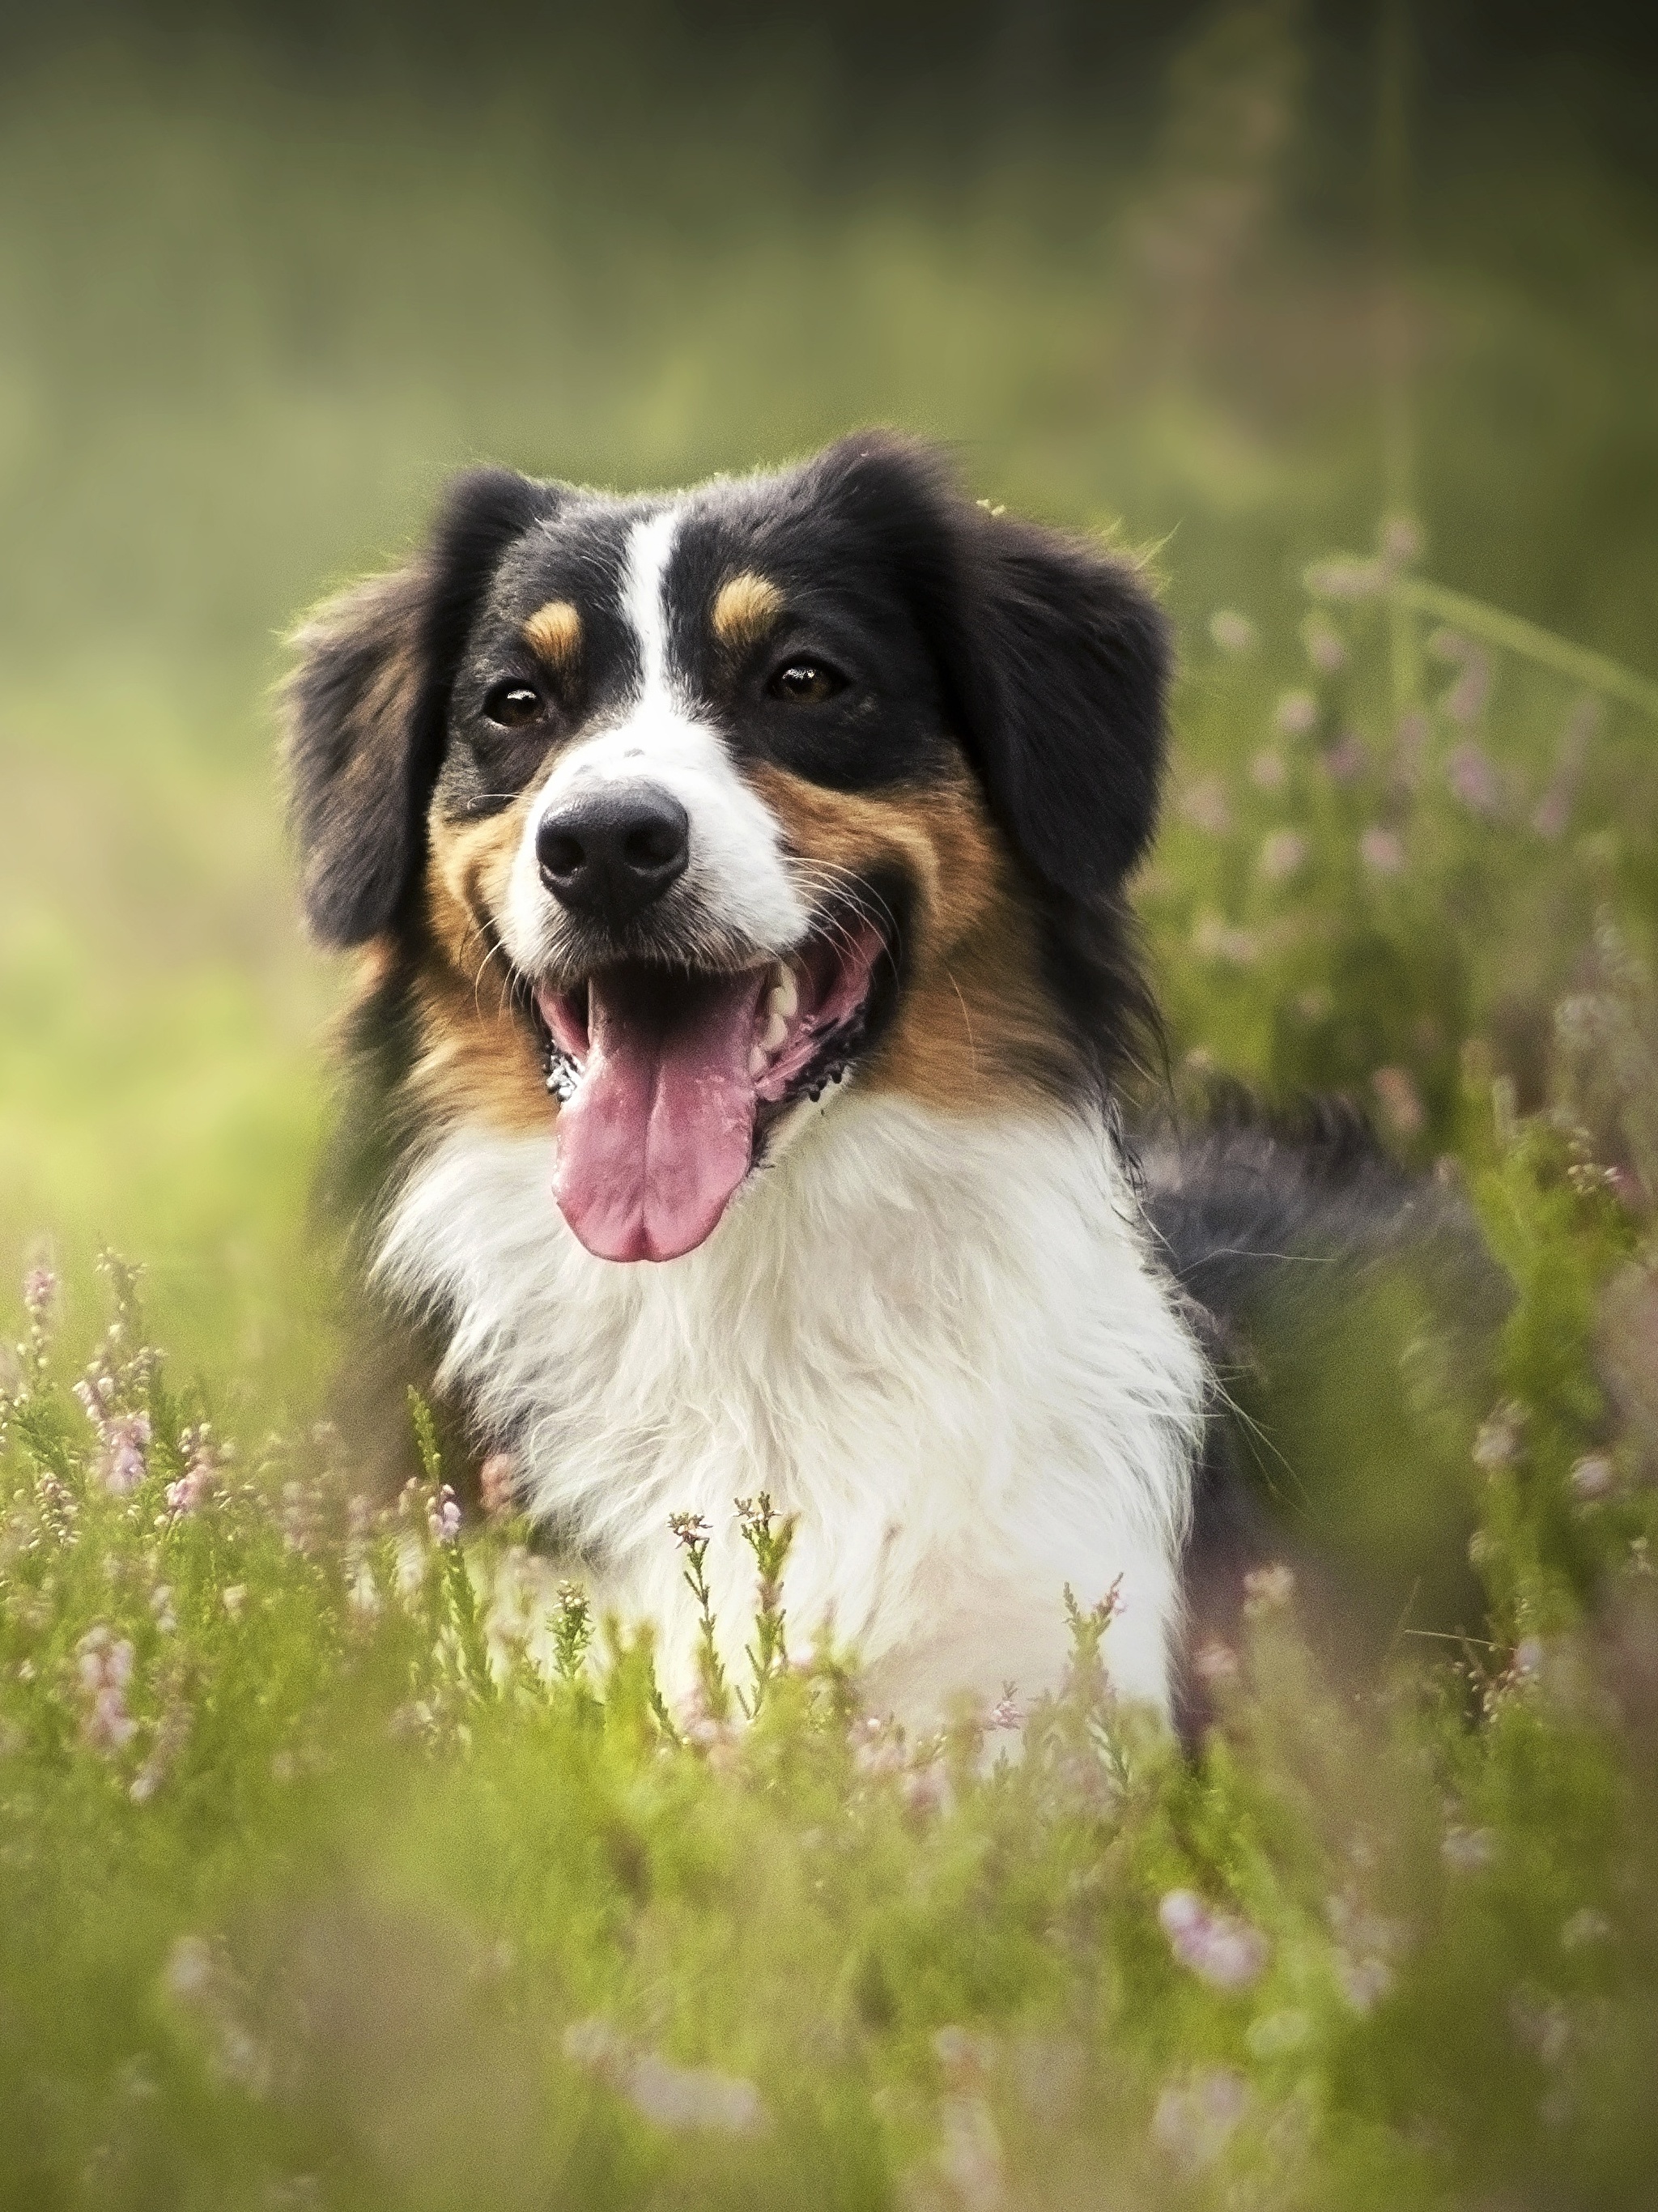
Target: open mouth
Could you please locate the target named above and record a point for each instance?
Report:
(671, 1077)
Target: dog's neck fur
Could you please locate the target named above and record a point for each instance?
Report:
(939, 1340)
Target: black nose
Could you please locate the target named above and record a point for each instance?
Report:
(612, 853)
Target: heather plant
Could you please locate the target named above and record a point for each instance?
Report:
(1400, 862)
(347, 1865)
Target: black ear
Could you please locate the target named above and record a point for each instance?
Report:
(1053, 656)
(365, 708)
(1069, 660)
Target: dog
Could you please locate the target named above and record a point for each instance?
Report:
(747, 988)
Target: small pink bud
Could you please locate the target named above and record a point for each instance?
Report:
(1382, 851)
(1297, 714)
(496, 1483)
(1282, 855)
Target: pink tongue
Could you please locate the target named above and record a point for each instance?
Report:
(661, 1131)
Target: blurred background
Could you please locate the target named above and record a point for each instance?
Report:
(1253, 281)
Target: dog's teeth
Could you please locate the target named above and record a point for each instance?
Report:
(785, 997)
(776, 1030)
(757, 1061)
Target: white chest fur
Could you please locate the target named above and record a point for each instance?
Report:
(938, 1339)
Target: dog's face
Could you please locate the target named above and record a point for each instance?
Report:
(685, 809)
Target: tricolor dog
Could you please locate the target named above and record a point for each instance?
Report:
(745, 981)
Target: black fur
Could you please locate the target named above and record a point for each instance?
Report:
(366, 710)
(1307, 1253)
(1052, 656)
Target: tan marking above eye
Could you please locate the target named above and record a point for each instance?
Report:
(745, 609)
(554, 633)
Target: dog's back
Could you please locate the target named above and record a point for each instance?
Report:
(1349, 1309)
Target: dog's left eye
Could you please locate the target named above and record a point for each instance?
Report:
(803, 682)
(512, 705)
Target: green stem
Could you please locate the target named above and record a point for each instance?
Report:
(1392, 157)
(1513, 634)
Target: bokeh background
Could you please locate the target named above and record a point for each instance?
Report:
(1247, 280)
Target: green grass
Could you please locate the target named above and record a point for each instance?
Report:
(355, 1913)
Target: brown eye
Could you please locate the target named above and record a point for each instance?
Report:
(512, 705)
(804, 682)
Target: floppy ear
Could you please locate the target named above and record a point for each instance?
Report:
(1069, 658)
(365, 711)
(1054, 657)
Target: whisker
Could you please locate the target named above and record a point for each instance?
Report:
(966, 1020)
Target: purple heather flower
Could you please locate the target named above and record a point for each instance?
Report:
(1401, 541)
(1324, 648)
(1267, 1588)
(1381, 851)
(105, 1666)
(1553, 812)
(1585, 1926)
(1400, 1100)
(203, 1460)
(1594, 1476)
(880, 1754)
(1206, 807)
(1346, 760)
(1214, 939)
(1282, 855)
(1542, 2024)
(926, 1789)
(1297, 714)
(1497, 1444)
(1225, 1951)
(677, 2097)
(1195, 2119)
(1346, 580)
(1468, 1850)
(682, 2097)
(1465, 702)
(1365, 1981)
(39, 1289)
(127, 1441)
(496, 1480)
(444, 1517)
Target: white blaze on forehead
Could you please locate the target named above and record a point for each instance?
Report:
(644, 593)
(736, 887)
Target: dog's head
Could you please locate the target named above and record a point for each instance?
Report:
(725, 795)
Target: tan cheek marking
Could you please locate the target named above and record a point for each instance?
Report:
(978, 1028)
(554, 633)
(745, 609)
(477, 1058)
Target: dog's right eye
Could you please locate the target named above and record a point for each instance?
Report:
(512, 705)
